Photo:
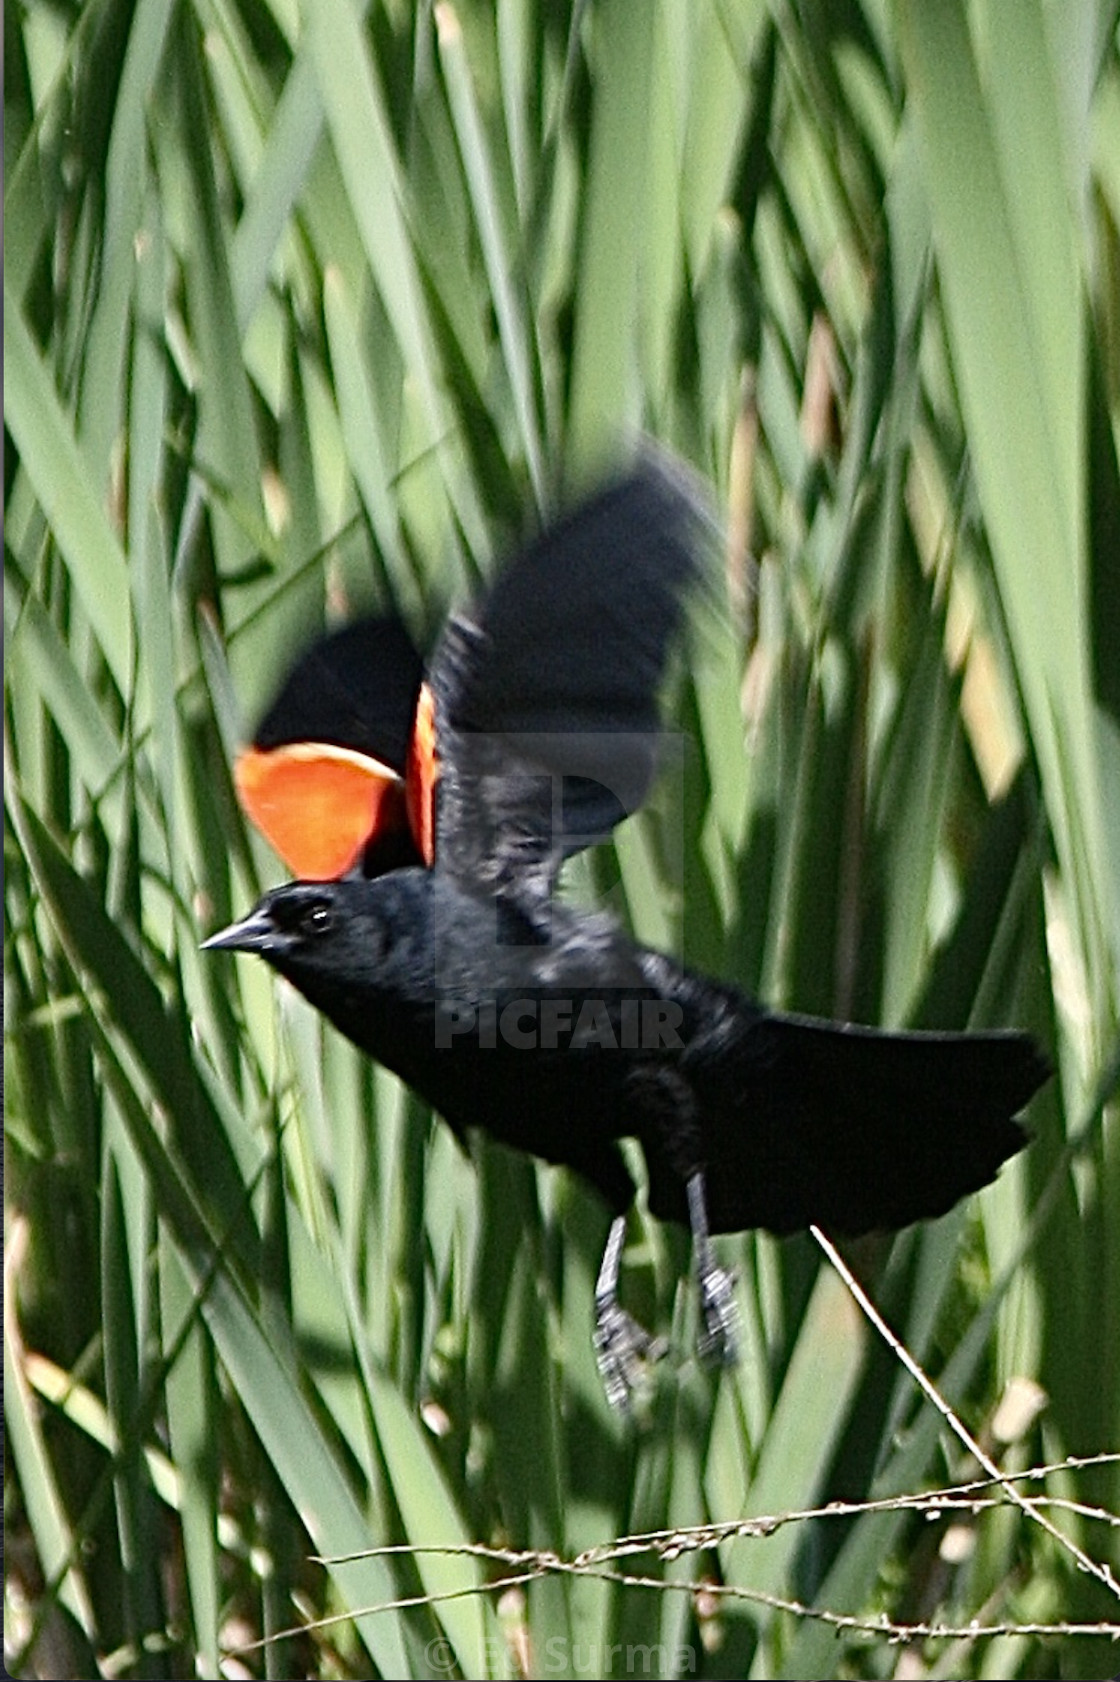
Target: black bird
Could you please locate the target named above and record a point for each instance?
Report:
(442, 952)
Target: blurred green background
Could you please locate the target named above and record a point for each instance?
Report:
(315, 306)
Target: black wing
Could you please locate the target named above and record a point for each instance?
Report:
(547, 695)
(355, 688)
(323, 778)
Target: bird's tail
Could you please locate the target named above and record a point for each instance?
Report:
(853, 1129)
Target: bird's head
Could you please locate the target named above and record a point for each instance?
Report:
(344, 934)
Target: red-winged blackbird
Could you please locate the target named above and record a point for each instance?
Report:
(441, 812)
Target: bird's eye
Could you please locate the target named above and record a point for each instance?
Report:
(319, 918)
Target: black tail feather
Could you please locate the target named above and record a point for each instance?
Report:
(854, 1129)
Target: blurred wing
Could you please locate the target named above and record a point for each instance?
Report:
(548, 730)
(324, 779)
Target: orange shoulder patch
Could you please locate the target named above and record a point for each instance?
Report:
(421, 776)
(317, 804)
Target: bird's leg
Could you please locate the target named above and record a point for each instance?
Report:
(623, 1349)
(717, 1340)
(669, 1104)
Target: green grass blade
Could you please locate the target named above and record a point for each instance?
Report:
(50, 456)
(504, 263)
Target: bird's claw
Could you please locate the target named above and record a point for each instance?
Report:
(717, 1342)
(625, 1352)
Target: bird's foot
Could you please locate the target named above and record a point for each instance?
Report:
(625, 1352)
(717, 1341)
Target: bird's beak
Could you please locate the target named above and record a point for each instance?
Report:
(254, 933)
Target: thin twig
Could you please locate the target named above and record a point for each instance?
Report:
(966, 1497)
(525, 1565)
(1095, 1568)
(543, 1563)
